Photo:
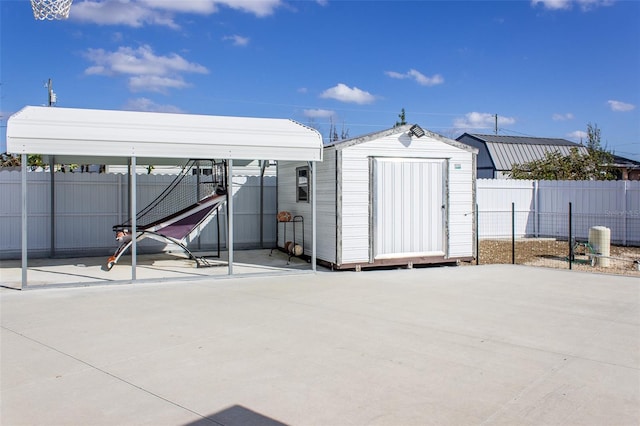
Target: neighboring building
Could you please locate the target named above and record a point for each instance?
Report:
(498, 153)
(629, 169)
(401, 196)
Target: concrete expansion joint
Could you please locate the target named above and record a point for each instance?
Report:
(103, 371)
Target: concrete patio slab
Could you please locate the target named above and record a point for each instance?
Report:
(494, 344)
(167, 266)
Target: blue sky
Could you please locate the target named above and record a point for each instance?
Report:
(546, 68)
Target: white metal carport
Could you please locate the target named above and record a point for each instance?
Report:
(116, 137)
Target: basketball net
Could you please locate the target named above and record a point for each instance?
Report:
(51, 9)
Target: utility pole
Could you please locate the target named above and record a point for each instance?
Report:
(50, 93)
(496, 127)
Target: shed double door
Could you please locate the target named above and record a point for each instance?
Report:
(408, 207)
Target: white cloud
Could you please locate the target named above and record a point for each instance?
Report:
(96, 70)
(119, 12)
(302, 90)
(420, 78)
(577, 135)
(423, 80)
(481, 120)
(237, 40)
(619, 106)
(259, 8)
(584, 5)
(145, 104)
(553, 4)
(200, 7)
(344, 93)
(155, 83)
(137, 13)
(562, 117)
(142, 60)
(146, 70)
(394, 74)
(318, 113)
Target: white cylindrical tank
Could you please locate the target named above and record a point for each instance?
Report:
(600, 241)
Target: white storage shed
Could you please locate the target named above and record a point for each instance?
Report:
(402, 196)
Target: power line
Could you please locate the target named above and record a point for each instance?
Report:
(518, 133)
(255, 102)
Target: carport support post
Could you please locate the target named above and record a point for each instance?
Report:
(132, 214)
(263, 165)
(23, 184)
(230, 214)
(313, 215)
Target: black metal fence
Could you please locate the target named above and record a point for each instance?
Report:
(607, 243)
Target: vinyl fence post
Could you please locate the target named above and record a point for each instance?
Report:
(513, 233)
(624, 212)
(477, 236)
(536, 208)
(570, 238)
(52, 207)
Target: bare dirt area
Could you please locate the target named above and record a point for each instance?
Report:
(555, 254)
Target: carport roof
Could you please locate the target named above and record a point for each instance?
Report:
(109, 136)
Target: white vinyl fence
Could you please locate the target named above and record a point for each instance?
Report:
(88, 205)
(542, 208)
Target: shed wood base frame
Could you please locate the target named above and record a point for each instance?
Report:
(408, 262)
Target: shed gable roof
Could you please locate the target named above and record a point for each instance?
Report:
(396, 131)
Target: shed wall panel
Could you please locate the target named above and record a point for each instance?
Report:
(355, 205)
(325, 206)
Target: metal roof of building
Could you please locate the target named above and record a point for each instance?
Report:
(157, 138)
(506, 151)
(625, 162)
(528, 140)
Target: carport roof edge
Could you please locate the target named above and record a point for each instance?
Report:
(112, 133)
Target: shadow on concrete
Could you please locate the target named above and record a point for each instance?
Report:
(236, 415)
(48, 272)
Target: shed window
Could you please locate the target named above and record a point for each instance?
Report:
(302, 184)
